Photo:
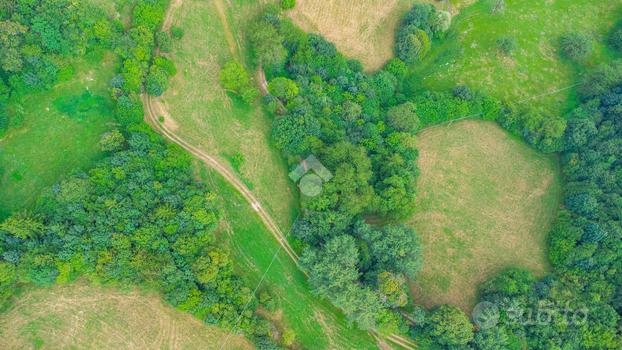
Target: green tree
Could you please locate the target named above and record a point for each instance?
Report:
(403, 117)
(112, 141)
(392, 288)
(23, 226)
(283, 88)
(233, 77)
(449, 326)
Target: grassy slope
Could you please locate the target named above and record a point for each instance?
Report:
(49, 144)
(486, 201)
(469, 53)
(90, 317)
(206, 116)
(317, 324)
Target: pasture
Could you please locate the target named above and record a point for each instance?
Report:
(486, 202)
(534, 74)
(58, 132)
(82, 316)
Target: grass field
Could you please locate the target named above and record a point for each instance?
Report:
(89, 317)
(202, 113)
(259, 257)
(486, 201)
(363, 30)
(50, 143)
(534, 74)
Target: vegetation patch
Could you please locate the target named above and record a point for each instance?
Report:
(47, 144)
(474, 50)
(216, 120)
(486, 201)
(79, 316)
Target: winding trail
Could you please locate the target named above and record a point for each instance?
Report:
(152, 105)
(152, 119)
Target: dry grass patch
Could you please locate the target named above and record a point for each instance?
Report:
(486, 202)
(363, 29)
(89, 317)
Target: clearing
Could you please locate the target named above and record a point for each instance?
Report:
(59, 132)
(486, 202)
(535, 73)
(363, 30)
(197, 109)
(80, 316)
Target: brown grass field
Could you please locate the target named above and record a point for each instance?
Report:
(486, 202)
(362, 29)
(89, 317)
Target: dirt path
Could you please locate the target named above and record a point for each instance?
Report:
(233, 46)
(152, 118)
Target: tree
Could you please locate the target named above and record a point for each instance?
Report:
(575, 46)
(10, 42)
(283, 88)
(403, 117)
(23, 226)
(393, 248)
(164, 42)
(412, 45)
(233, 77)
(112, 141)
(393, 289)
(267, 43)
(449, 326)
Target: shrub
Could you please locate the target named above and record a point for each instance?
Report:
(575, 46)
(111, 141)
(497, 6)
(507, 45)
(288, 4)
(177, 33)
(164, 41)
(233, 77)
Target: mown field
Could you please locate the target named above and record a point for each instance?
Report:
(58, 134)
(535, 74)
(316, 324)
(205, 115)
(81, 316)
(486, 201)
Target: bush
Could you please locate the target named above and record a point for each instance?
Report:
(412, 44)
(112, 141)
(164, 41)
(288, 4)
(233, 77)
(507, 45)
(575, 46)
(177, 33)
